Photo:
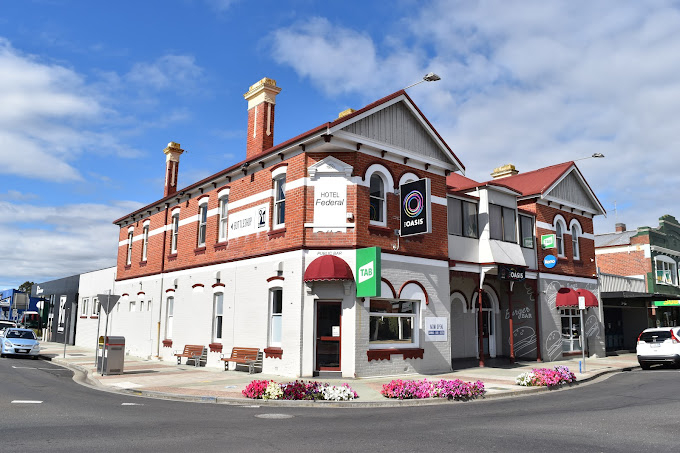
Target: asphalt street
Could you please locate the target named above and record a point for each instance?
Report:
(44, 409)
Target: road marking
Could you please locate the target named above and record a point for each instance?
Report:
(26, 402)
(35, 368)
(274, 416)
(131, 404)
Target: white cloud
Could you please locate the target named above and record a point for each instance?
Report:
(48, 246)
(178, 72)
(532, 84)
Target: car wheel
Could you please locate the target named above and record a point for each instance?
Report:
(644, 365)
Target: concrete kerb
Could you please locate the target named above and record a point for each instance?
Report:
(86, 378)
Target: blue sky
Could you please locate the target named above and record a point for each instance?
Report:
(91, 93)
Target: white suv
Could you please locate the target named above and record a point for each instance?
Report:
(658, 345)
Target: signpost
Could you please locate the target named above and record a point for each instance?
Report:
(106, 302)
(415, 213)
(368, 272)
(581, 309)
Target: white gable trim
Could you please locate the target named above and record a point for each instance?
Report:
(584, 186)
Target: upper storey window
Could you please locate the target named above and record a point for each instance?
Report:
(224, 217)
(280, 200)
(559, 236)
(526, 231)
(202, 223)
(128, 260)
(175, 233)
(377, 195)
(502, 223)
(575, 234)
(145, 241)
(666, 270)
(462, 218)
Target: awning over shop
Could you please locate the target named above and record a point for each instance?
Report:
(328, 268)
(567, 297)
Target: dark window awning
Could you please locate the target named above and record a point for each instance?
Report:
(328, 268)
(567, 297)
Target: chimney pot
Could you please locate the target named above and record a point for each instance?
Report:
(620, 227)
(172, 153)
(504, 171)
(261, 99)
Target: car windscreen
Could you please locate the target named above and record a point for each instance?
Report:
(655, 336)
(23, 334)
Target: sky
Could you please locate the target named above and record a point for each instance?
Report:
(92, 92)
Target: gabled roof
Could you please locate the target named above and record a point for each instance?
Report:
(535, 183)
(614, 239)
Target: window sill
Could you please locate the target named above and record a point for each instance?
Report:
(276, 233)
(128, 267)
(172, 256)
(94, 317)
(167, 343)
(386, 354)
(142, 263)
(273, 353)
(220, 246)
(83, 317)
(215, 347)
(380, 230)
(199, 251)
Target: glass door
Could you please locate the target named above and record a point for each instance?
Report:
(328, 330)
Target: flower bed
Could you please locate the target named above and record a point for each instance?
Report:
(298, 390)
(453, 390)
(546, 377)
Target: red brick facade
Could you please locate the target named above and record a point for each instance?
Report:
(626, 262)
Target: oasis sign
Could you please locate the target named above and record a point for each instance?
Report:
(511, 273)
(415, 211)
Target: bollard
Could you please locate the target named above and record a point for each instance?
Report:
(579, 367)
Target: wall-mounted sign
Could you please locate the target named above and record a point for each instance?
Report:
(368, 272)
(330, 205)
(548, 241)
(511, 273)
(415, 211)
(435, 329)
(666, 303)
(249, 221)
(549, 261)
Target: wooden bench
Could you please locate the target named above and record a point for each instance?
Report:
(195, 352)
(243, 356)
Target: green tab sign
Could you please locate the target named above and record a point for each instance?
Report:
(548, 241)
(666, 303)
(368, 272)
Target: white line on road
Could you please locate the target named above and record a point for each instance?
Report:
(26, 402)
(131, 404)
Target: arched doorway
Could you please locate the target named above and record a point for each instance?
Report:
(489, 325)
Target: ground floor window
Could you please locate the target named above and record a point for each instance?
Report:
(571, 330)
(169, 316)
(393, 322)
(276, 310)
(218, 306)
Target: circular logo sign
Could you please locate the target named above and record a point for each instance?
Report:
(413, 204)
(549, 261)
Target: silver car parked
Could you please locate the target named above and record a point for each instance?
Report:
(19, 342)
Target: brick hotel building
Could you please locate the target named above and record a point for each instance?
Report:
(264, 253)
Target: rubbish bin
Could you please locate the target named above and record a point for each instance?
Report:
(111, 355)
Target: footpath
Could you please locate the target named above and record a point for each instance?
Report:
(156, 379)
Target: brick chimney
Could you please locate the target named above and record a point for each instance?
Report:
(504, 171)
(620, 227)
(261, 99)
(172, 153)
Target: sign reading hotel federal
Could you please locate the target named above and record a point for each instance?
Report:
(330, 205)
(368, 272)
(415, 211)
(249, 221)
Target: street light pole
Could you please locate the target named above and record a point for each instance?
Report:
(429, 77)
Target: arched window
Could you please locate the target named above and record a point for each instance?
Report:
(377, 195)
(559, 236)
(175, 233)
(280, 200)
(575, 233)
(129, 247)
(224, 217)
(145, 241)
(202, 222)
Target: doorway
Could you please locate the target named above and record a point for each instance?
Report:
(488, 324)
(328, 335)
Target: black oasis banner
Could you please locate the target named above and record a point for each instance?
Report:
(415, 208)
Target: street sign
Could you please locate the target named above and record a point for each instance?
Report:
(548, 241)
(107, 302)
(666, 303)
(368, 272)
(415, 213)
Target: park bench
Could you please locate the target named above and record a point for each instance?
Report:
(195, 352)
(242, 356)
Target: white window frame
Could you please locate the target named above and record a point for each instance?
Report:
(218, 318)
(388, 184)
(84, 310)
(95, 306)
(169, 316)
(174, 232)
(559, 235)
(131, 236)
(521, 230)
(279, 202)
(665, 269)
(575, 229)
(141, 305)
(223, 224)
(571, 314)
(145, 240)
(382, 202)
(272, 341)
(415, 324)
(202, 222)
(132, 306)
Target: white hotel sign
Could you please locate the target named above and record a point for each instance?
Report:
(249, 221)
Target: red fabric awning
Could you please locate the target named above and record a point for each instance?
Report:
(328, 268)
(567, 297)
